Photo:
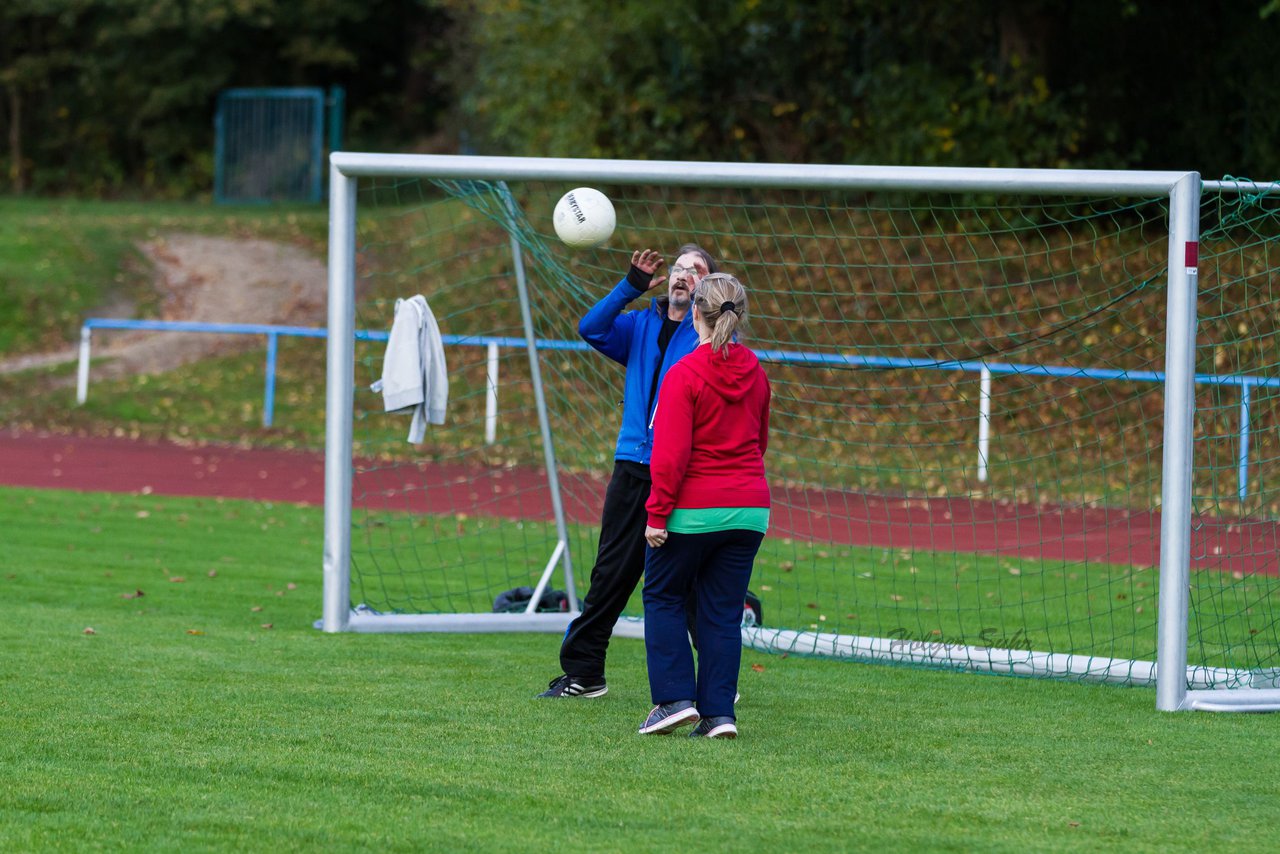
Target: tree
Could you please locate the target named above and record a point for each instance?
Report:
(117, 96)
(831, 80)
(38, 50)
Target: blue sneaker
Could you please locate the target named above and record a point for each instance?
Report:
(666, 718)
(716, 727)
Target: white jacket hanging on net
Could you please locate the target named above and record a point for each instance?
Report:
(414, 374)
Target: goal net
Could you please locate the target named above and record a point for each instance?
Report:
(1012, 431)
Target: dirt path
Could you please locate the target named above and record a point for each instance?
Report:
(209, 279)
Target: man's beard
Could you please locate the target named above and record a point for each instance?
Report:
(680, 297)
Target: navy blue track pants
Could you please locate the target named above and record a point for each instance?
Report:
(717, 567)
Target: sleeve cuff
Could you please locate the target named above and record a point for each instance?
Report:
(657, 521)
(639, 279)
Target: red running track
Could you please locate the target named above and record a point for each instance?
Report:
(942, 524)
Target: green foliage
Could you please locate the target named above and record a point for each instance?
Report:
(983, 83)
(117, 98)
(772, 80)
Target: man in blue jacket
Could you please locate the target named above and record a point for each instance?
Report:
(647, 341)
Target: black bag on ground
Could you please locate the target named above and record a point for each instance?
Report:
(517, 600)
(752, 611)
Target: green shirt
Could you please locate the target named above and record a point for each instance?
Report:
(704, 520)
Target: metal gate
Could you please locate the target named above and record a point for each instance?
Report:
(269, 144)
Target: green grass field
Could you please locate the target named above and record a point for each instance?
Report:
(208, 714)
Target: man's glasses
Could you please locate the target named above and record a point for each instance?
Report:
(678, 270)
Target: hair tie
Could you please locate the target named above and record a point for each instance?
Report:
(727, 306)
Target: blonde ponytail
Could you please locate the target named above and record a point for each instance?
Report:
(722, 301)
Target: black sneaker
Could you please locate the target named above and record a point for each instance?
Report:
(717, 727)
(669, 717)
(576, 686)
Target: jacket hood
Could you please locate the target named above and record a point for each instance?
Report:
(730, 373)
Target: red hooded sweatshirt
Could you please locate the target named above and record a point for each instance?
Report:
(710, 431)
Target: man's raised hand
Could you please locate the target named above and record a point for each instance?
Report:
(648, 261)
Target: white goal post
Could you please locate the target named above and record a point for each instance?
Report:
(1175, 683)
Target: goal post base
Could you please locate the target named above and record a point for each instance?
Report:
(364, 622)
(1259, 690)
(1233, 700)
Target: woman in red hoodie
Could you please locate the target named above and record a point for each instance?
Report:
(708, 511)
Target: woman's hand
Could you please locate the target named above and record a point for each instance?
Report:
(655, 536)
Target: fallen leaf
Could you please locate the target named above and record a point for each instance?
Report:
(758, 668)
(89, 630)
(176, 579)
(136, 594)
(266, 625)
(256, 608)
(213, 573)
(194, 632)
(291, 586)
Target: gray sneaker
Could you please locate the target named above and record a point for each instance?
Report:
(668, 717)
(717, 727)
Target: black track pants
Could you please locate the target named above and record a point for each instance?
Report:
(618, 569)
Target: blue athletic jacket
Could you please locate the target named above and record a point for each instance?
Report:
(631, 339)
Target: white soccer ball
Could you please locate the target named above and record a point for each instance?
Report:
(584, 218)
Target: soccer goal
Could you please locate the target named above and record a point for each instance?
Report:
(1024, 421)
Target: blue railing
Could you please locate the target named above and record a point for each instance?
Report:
(986, 370)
